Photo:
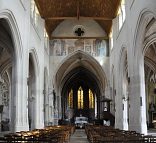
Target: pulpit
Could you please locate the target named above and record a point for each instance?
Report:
(107, 116)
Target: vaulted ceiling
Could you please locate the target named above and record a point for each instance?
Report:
(55, 11)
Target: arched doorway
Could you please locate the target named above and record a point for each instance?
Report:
(150, 84)
(145, 34)
(80, 73)
(125, 87)
(6, 55)
(31, 93)
(149, 51)
(10, 53)
(46, 98)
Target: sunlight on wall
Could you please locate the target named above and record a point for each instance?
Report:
(121, 14)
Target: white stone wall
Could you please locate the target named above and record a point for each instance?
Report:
(67, 28)
(127, 37)
(28, 39)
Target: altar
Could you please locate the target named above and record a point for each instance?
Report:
(81, 121)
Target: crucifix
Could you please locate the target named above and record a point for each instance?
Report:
(79, 32)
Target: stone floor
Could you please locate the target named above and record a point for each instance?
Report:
(152, 132)
(79, 137)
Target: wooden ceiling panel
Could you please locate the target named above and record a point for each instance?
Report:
(57, 8)
(105, 25)
(50, 26)
(55, 11)
(98, 8)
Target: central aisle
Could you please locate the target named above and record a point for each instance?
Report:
(79, 137)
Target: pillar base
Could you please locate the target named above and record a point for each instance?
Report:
(140, 129)
(21, 128)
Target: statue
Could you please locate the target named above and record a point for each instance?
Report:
(54, 98)
(151, 107)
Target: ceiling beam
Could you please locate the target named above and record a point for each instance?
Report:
(67, 37)
(78, 9)
(69, 18)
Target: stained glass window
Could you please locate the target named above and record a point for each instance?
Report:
(70, 99)
(91, 99)
(80, 98)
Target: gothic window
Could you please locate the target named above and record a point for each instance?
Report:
(80, 98)
(91, 99)
(70, 99)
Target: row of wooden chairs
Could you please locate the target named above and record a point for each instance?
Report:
(107, 134)
(50, 134)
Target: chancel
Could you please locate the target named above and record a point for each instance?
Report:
(77, 65)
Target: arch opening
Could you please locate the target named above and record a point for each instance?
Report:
(31, 92)
(79, 95)
(144, 67)
(80, 70)
(7, 74)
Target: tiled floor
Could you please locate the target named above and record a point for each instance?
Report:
(79, 137)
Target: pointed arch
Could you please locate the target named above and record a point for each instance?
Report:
(138, 78)
(123, 89)
(34, 56)
(33, 89)
(144, 18)
(80, 58)
(16, 64)
(10, 18)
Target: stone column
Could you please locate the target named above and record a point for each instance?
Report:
(118, 108)
(19, 98)
(39, 121)
(46, 105)
(125, 103)
(51, 112)
(137, 99)
(125, 115)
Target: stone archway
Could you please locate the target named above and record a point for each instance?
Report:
(10, 71)
(31, 94)
(138, 120)
(80, 77)
(124, 86)
(6, 52)
(72, 70)
(33, 91)
(46, 98)
(150, 83)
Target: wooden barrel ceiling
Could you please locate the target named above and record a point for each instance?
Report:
(55, 11)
